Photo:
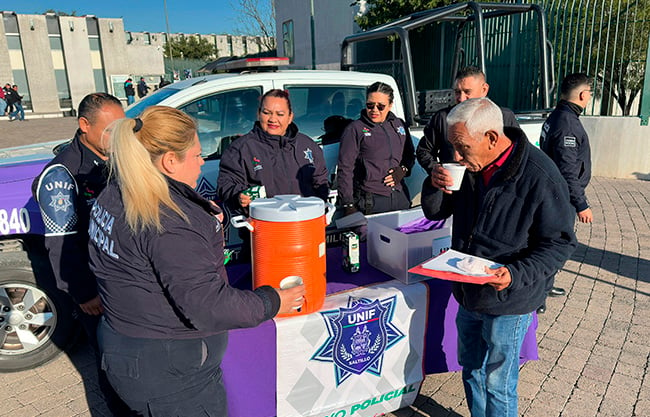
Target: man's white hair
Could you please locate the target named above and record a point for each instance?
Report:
(478, 115)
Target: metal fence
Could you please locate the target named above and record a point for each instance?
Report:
(608, 40)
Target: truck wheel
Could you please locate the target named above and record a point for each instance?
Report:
(35, 324)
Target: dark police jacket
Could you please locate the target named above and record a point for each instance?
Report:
(435, 147)
(290, 164)
(169, 284)
(368, 150)
(521, 219)
(565, 140)
(65, 192)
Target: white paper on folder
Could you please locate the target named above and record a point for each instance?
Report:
(448, 262)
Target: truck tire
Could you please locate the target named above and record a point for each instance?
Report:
(36, 320)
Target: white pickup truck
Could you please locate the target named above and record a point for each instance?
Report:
(225, 106)
(35, 320)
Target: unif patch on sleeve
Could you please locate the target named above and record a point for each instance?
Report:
(569, 142)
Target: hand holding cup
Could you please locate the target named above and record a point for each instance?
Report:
(291, 293)
(448, 176)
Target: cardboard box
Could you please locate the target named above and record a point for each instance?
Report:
(393, 252)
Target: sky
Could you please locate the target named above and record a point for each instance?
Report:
(211, 16)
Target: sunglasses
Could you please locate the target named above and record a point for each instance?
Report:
(379, 106)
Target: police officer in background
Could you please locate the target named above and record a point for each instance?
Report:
(375, 155)
(65, 191)
(434, 147)
(565, 141)
(274, 154)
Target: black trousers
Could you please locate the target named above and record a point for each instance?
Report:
(370, 203)
(113, 401)
(166, 377)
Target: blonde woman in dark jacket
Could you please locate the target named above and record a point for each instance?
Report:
(156, 249)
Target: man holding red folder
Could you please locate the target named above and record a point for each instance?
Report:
(512, 208)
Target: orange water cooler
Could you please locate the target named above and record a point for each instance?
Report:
(288, 239)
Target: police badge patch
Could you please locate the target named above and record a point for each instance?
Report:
(309, 155)
(569, 142)
(359, 334)
(56, 195)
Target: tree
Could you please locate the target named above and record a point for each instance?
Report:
(60, 13)
(609, 42)
(623, 72)
(190, 47)
(256, 18)
(377, 12)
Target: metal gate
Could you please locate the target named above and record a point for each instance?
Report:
(608, 40)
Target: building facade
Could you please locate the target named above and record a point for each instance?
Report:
(310, 33)
(57, 60)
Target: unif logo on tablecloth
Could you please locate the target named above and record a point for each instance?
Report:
(359, 334)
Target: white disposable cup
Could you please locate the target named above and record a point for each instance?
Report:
(290, 282)
(456, 171)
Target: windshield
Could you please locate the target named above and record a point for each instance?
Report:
(151, 100)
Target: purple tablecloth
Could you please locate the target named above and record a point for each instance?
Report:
(249, 370)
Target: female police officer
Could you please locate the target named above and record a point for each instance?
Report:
(376, 153)
(273, 154)
(156, 248)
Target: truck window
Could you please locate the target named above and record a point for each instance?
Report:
(312, 104)
(223, 117)
(151, 100)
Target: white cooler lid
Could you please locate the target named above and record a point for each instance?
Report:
(287, 208)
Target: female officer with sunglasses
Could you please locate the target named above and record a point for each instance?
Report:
(376, 154)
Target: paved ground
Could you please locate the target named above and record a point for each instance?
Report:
(593, 344)
(35, 130)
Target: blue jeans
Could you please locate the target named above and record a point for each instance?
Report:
(19, 109)
(3, 106)
(488, 351)
(130, 100)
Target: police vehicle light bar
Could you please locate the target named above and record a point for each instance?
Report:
(267, 63)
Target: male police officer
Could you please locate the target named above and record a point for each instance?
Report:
(434, 147)
(66, 191)
(565, 140)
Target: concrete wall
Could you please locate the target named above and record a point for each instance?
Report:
(333, 20)
(237, 46)
(38, 63)
(620, 146)
(6, 76)
(299, 11)
(145, 60)
(113, 45)
(76, 51)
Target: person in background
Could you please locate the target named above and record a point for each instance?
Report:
(3, 102)
(434, 147)
(512, 208)
(566, 142)
(274, 154)
(129, 91)
(156, 248)
(15, 100)
(375, 155)
(65, 192)
(6, 89)
(143, 88)
(163, 82)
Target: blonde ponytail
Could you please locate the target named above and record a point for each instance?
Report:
(131, 160)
